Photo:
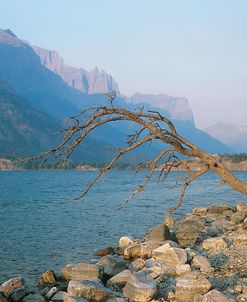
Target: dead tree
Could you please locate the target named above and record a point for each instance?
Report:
(150, 126)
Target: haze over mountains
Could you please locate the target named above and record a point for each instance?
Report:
(234, 136)
(38, 91)
(91, 82)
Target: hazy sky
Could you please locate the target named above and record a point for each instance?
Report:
(192, 48)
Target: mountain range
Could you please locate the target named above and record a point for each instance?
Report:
(38, 91)
(234, 136)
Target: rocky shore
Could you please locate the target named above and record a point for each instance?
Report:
(201, 258)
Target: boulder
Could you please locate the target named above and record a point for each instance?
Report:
(159, 233)
(118, 281)
(187, 236)
(3, 297)
(90, 290)
(18, 294)
(191, 221)
(219, 208)
(125, 241)
(199, 211)
(238, 217)
(214, 296)
(34, 298)
(81, 271)
(59, 296)
(47, 277)
(153, 272)
(215, 244)
(213, 232)
(191, 284)
(140, 288)
(242, 298)
(137, 265)
(242, 207)
(112, 265)
(170, 256)
(105, 251)
(10, 286)
(182, 269)
(222, 223)
(68, 298)
(139, 250)
(200, 261)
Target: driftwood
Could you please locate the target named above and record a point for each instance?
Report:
(150, 126)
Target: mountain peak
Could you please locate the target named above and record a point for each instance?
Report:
(10, 32)
(177, 107)
(92, 82)
(8, 37)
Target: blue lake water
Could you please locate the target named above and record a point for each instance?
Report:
(41, 229)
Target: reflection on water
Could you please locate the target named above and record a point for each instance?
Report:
(40, 228)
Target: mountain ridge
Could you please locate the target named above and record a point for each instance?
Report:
(234, 136)
(47, 92)
(89, 82)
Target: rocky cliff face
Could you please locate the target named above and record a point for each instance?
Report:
(9, 38)
(177, 107)
(91, 82)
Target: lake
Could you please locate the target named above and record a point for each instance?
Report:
(41, 228)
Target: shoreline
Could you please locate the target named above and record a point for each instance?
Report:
(201, 257)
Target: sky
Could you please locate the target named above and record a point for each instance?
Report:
(191, 48)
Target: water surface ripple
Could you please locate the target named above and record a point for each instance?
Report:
(40, 228)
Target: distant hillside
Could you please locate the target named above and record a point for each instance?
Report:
(91, 82)
(233, 136)
(23, 130)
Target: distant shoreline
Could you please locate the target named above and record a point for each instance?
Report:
(195, 165)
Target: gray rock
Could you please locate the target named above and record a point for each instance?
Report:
(219, 208)
(182, 269)
(238, 217)
(242, 207)
(213, 232)
(105, 251)
(10, 286)
(223, 223)
(68, 298)
(139, 250)
(112, 265)
(159, 233)
(59, 296)
(137, 265)
(187, 236)
(33, 298)
(81, 271)
(3, 297)
(118, 281)
(214, 296)
(170, 256)
(191, 284)
(140, 288)
(200, 261)
(18, 294)
(89, 290)
(215, 244)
